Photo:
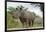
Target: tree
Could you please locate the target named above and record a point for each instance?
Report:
(41, 5)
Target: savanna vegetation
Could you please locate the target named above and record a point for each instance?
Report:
(13, 20)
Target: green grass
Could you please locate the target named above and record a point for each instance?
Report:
(37, 25)
(13, 24)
